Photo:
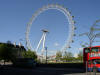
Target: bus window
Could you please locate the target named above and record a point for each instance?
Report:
(94, 50)
(97, 61)
(87, 50)
(90, 61)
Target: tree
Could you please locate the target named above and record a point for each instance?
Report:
(68, 56)
(80, 56)
(58, 55)
(9, 42)
(30, 54)
(6, 52)
(93, 33)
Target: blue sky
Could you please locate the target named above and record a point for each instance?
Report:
(15, 14)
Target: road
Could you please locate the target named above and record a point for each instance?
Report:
(43, 71)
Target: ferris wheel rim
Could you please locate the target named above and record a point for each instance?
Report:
(67, 15)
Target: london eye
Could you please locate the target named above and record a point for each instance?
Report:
(71, 26)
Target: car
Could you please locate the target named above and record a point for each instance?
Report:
(25, 62)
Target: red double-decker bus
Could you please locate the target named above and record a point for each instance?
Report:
(91, 58)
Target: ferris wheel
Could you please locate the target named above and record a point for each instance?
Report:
(65, 11)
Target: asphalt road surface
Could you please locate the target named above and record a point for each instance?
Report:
(43, 71)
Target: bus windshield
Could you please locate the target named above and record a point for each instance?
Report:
(96, 61)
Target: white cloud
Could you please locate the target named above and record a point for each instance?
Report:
(52, 52)
(80, 49)
(56, 44)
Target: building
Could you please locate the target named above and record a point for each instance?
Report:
(18, 49)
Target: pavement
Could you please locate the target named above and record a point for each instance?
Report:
(43, 71)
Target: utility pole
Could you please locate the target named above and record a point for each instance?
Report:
(46, 54)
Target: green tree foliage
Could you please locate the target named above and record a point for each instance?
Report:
(9, 42)
(30, 54)
(6, 52)
(58, 55)
(68, 56)
(80, 56)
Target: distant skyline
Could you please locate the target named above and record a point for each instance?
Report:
(15, 14)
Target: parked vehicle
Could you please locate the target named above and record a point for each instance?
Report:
(25, 62)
